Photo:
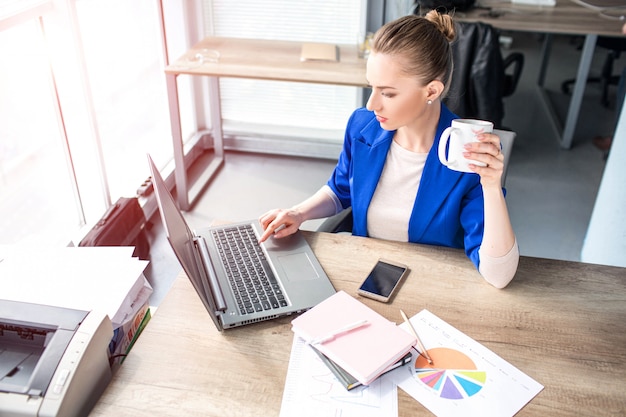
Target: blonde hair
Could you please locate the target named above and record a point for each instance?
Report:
(424, 42)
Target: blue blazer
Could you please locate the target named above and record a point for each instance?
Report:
(448, 209)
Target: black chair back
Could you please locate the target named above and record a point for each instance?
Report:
(481, 77)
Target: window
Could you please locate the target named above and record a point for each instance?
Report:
(291, 109)
(84, 97)
(36, 186)
(83, 101)
(122, 48)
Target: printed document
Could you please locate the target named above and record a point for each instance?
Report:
(465, 377)
(311, 390)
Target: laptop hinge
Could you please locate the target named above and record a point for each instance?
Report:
(220, 302)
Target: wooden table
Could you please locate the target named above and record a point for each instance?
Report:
(247, 58)
(562, 323)
(566, 17)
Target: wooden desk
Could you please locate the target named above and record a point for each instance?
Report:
(562, 323)
(566, 17)
(247, 58)
(270, 60)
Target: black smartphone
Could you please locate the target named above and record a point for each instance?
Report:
(383, 280)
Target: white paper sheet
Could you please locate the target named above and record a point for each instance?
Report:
(465, 378)
(311, 390)
(106, 279)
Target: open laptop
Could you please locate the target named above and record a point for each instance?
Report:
(292, 279)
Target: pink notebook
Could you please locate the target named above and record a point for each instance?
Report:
(367, 350)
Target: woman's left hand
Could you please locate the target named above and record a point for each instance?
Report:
(488, 151)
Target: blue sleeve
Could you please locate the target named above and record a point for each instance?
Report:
(473, 222)
(340, 179)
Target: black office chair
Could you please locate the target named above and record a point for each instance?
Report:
(615, 47)
(481, 76)
(340, 222)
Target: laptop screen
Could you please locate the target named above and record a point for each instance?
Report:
(181, 238)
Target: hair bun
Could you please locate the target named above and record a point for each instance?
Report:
(443, 22)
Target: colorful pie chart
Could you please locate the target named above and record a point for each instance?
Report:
(452, 375)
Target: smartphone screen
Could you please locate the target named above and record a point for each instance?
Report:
(383, 280)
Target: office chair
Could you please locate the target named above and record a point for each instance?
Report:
(507, 138)
(481, 77)
(342, 222)
(615, 47)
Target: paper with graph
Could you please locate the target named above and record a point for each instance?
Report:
(465, 377)
(311, 390)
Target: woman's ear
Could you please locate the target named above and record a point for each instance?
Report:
(434, 89)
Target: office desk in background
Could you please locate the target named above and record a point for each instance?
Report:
(566, 17)
(254, 59)
(562, 323)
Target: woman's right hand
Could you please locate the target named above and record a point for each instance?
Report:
(280, 223)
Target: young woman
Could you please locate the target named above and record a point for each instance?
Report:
(389, 171)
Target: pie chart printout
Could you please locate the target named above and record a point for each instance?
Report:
(452, 374)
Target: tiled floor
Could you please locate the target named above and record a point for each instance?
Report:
(551, 191)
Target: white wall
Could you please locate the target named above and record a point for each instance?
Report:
(605, 242)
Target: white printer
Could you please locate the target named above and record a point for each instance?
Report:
(53, 361)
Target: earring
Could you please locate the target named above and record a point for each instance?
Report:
(429, 102)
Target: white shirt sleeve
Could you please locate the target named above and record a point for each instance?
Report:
(499, 271)
(338, 208)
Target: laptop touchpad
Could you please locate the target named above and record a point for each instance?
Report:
(298, 267)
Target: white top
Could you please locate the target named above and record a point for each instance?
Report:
(391, 206)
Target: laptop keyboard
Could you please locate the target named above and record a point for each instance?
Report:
(253, 283)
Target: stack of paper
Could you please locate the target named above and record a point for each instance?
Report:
(107, 279)
(104, 279)
(355, 337)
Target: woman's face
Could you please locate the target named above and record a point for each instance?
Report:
(397, 99)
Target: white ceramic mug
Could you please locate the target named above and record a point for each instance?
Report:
(461, 132)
